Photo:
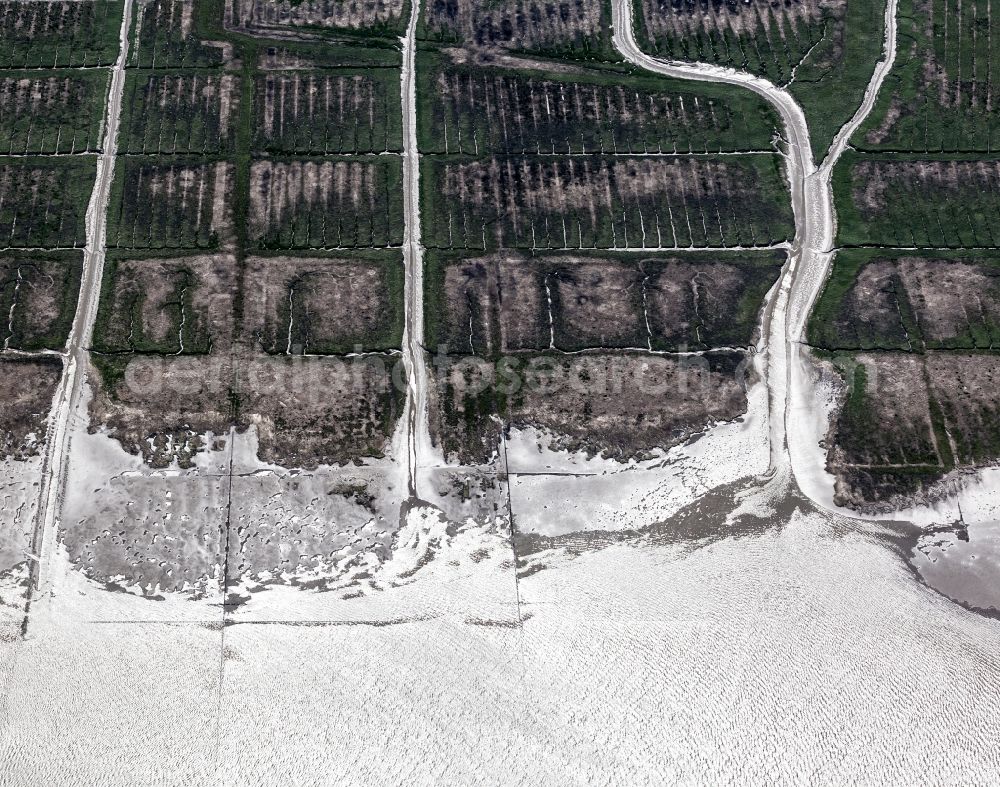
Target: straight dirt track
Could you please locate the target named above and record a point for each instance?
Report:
(68, 398)
(416, 434)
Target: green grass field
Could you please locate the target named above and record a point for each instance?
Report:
(944, 88)
(43, 200)
(554, 202)
(909, 201)
(51, 111)
(59, 34)
(475, 110)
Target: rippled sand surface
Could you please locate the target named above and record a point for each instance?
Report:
(800, 653)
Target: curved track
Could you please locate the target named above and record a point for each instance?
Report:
(787, 310)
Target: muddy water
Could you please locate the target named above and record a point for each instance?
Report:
(962, 563)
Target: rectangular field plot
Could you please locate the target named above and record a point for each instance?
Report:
(26, 389)
(569, 28)
(755, 35)
(163, 36)
(889, 200)
(965, 388)
(328, 112)
(51, 112)
(170, 306)
(171, 203)
(464, 311)
(604, 202)
(944, 89)
(483, 111)
(908, 419)
(508, 302)
(700, 301)
(307, 411)
(160, 407)
(324, 306)
(384, 17)
(908, 302)
(323, 203)
(621, 404)
(59, 33)
(193, 112)
(888, 436)
(43, 202)
(38, 296)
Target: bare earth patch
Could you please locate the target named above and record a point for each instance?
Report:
(507, 302)
(321, 411)
(299, 305)
(699, 304)
(476, 318)
(26, 391)
(618, 404)
(308, 411)
(910, 419)
(167, 305)
(966, 387)
(596, 304)
(953, 300)
(910, 303)
(37, 300)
